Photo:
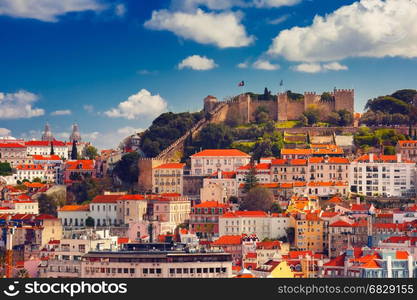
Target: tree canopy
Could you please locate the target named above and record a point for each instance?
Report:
(258, 198)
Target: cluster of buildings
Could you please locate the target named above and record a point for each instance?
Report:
(46, 160)
(187, 221)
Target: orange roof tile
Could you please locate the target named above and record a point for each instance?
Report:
(106, 199)
(228, 240)
(211, 204)
(74, 208)
(80, 165)
(221, 152)
(46, 157)
(171, 166)
(239, 214)
(340, 223)
(296, 152)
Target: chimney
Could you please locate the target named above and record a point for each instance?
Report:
(389, 267)
(358, 200)
(399, 158)
(371, 157)
(219, 174)
(410, 267)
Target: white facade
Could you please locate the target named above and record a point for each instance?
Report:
(104, 214)
(44, 148)
(258, 223)
(207, 162)
(384, 175)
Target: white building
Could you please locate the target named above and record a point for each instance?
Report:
(409, 214)
(207, 162)
(19, 207)
(73, 215)
(227, 180)
(44, 148)
(259, 223)
(383, 175)
(103, 209)
(262, 171)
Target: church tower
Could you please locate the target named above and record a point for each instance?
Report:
(75, 135)
(47, 133)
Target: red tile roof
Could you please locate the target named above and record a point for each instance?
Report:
(296, 151)
(80, 165)
(47, 157)
(74, 208)
(30, 167)
(131, 197)
(221, 152)
(11, 145)
(34, 184)
(250, 214)
(44, 143)
(228, 240)
(328, 183)
(263, 166)
(211, 204)
(340, 223)
(106, 199)
(171, 166)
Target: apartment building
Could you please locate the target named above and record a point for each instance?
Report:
(259, 223)
(168, 178)
(156, 261)
(383, 175)
(207, 162)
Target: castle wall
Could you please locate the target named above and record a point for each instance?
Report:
(294, 109)
(145, 172)
(271, 106)
(345, 99)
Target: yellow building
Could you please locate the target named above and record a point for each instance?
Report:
(168, 178)
(308, 232)
(282, 270)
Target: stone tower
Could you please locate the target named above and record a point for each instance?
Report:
(75, 135)
(344, 99)
(47, 133)
(210, 103)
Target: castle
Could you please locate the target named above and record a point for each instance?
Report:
(283, 107)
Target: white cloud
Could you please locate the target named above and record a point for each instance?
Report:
(221, 29)
(197, 62)
(308, 68)
(120, 10)
(64, 112)
(367, 28)
(19, 105)
(4, 132)
(335, 66)
(316, 67)
(275, 3)
(46, 10)
(278, 20)
(262, 64)
(243, 65)
(129, 130)
(226, 4)
(88, 108)
(147, 72)
(139, 105)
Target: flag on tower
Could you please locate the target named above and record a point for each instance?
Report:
(242, 83)
(281, 83)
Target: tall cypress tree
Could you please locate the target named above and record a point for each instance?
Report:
(250, 179)
(52, 148)
(74, 152)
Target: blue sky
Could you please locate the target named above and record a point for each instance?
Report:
(112, 66)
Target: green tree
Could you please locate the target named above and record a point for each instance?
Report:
(263, 148)
(91, 152)
(312, 113)
(52, 152)
(276, 208)
(334, 118)
(258, 198)
(389, 150)
(262, 115)
(5, 169)
(47, 205)
(126, 169)
(346, 117)
(37, 179)
(74, 151)
(89, 222)
(215, 136)
(250, 179)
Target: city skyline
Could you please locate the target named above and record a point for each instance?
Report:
(104, 64)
